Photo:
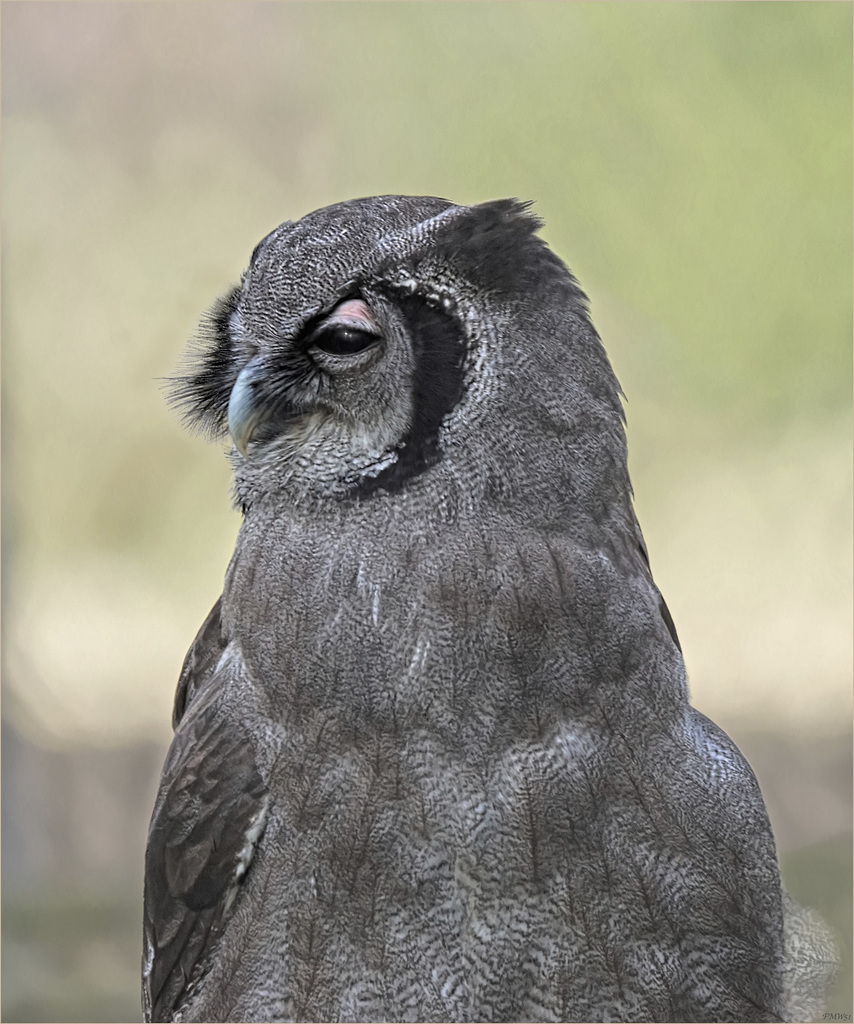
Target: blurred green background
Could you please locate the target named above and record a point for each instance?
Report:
(693, 165)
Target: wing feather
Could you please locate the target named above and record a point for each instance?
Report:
(200, 662)
(210, 814)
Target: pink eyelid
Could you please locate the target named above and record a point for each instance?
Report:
(354, 312)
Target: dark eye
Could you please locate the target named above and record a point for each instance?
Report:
(343, 341)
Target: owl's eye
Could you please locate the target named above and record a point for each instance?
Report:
(350, 328)
(342, 340)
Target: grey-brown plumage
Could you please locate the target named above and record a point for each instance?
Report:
(433, 756)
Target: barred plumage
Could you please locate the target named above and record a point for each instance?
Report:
(434, 757)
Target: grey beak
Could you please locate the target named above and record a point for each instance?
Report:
(245, 412)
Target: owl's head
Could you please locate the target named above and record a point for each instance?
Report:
(384, 345)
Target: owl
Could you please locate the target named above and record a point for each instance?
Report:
(434, 758)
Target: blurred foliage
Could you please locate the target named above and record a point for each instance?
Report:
(71, 958)
(694, 159)
(693, 164)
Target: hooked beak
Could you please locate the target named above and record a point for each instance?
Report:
(245, 411)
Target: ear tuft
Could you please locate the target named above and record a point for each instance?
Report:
(201, 393)
(495, 244)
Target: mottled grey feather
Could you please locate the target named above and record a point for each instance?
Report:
(434, 756)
